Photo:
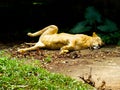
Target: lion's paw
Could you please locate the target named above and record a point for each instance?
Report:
(64, 51)
(21, 50)
(30, 34)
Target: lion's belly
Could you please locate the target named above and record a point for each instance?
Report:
(53, 42)
(54, 46)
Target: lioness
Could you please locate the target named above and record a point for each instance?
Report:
(65, 42)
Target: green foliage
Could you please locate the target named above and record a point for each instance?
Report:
(80, 27)
(17, 75)
(94, 22)
(111, 38)
(92, 16)
(108, 26)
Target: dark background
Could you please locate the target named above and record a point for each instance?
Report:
(19, 17)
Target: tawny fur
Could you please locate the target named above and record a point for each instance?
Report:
(65, 42)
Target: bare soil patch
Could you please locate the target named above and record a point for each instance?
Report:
(101, 67)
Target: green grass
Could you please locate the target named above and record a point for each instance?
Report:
(16, 74)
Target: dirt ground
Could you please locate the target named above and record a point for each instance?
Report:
(100, 68)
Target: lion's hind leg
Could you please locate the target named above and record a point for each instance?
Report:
(51, 29)
(35, 47)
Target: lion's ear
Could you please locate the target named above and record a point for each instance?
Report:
(94, 34)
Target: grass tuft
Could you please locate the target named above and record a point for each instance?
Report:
(17, 75)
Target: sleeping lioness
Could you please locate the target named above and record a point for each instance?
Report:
(65, 42)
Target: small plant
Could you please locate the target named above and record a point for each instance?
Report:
(94, 22)
(48, 59)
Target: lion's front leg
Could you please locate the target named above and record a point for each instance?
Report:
(66, 49)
